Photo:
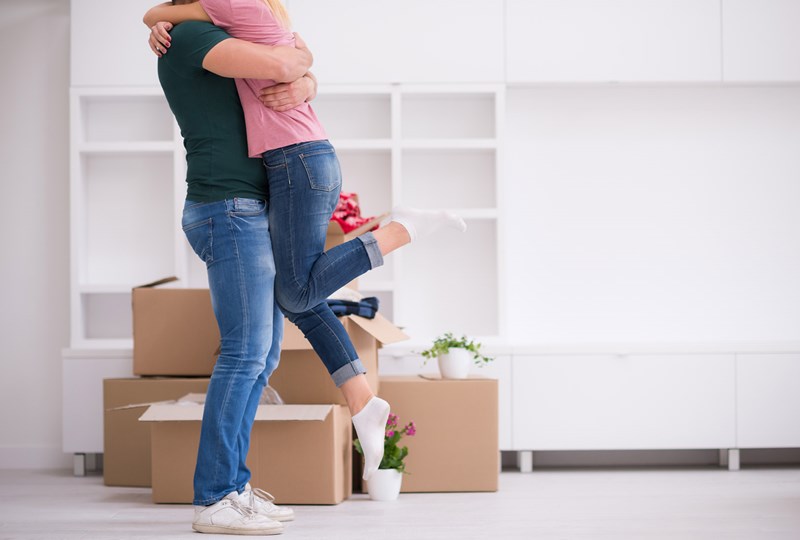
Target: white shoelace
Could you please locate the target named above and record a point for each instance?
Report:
(266, 497)
(246, 512)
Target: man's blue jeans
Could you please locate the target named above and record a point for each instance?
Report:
(304, 184)
(232, 238)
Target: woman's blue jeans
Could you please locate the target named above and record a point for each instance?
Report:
(232, 238)
(304, 184)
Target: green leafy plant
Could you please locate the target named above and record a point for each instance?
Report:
(445, 342)
(393, 455)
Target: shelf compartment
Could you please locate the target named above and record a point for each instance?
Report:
(369, 174)
(385, 299)
(107, 316)
(448, 116)
(449, 179)
(455, 284)
(355, 116)
(126, 119)
(381, 278)
(121, 148)
(362, 144)
(128, 222)
(449, 144)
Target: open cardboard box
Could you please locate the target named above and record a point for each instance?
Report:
(126, 442)
(301, 376)
(299, 453)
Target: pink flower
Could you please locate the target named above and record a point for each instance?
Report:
(390, 433)
(392, 420)
(411, 429)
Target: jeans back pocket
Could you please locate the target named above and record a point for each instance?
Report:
(322, 168)
(200, 237)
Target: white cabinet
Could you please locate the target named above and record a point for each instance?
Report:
(109, 44)
(768, 400)
(82, 405)
(501, 369)
(614, 40)
(417, 41)
(761, 41)
(612, 402)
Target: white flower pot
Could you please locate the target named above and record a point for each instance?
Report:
(455, 364)
(384, 485)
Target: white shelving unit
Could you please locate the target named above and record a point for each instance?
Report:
(427, 146)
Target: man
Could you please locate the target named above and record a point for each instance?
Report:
(225, 221)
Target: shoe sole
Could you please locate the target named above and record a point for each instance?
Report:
(281, 519)
(215, 529)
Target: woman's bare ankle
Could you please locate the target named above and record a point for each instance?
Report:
(357, 393)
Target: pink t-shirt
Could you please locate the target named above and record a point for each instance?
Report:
(252, 20)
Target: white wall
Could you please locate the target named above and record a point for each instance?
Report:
(34, 272)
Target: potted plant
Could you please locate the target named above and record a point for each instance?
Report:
(384, 485)
(455, 354)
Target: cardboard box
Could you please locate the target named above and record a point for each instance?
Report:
(175, 332)
(299, 453)
(126, 442)
(336, 236)
(456, 444)
(301, 376)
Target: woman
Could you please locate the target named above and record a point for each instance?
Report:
(304, 182)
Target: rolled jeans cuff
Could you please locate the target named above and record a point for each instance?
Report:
(373, 251)
(347, 372)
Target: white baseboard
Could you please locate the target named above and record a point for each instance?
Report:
(650, 458)
(34, 457)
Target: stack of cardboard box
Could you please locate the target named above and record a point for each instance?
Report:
(175, 338)
(301, 452)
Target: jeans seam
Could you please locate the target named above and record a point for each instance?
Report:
(331, 265)
(330, 330)
(291, 220)
(245, 338)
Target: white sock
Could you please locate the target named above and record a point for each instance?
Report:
(370, 424)
(420, 223)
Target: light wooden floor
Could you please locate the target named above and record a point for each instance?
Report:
(703, 504)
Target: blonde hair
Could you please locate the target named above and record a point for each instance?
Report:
(279, 11)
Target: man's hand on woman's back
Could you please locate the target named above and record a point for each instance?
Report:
(286, 96)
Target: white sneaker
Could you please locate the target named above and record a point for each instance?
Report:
(262, 503)
(229, 516)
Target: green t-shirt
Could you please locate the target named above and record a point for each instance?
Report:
(210, 116)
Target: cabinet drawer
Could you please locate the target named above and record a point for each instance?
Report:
(615, 40)
(382, 41)
(768, 400)
(635, 402)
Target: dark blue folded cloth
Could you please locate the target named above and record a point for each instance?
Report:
(366, 308)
